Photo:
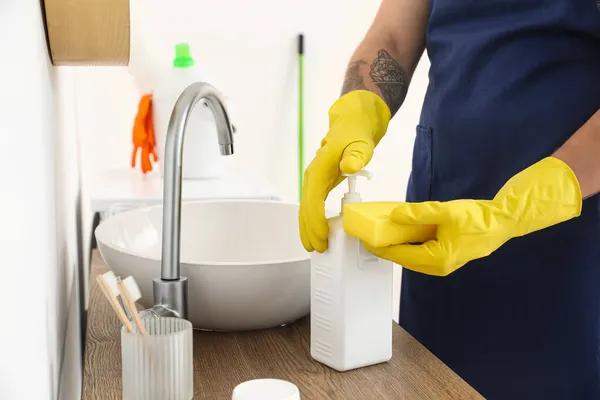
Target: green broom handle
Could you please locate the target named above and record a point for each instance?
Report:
(300, 114)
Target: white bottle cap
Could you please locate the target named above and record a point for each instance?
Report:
(353, 196)
(266, 389)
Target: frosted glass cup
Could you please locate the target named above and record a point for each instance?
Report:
(158, 365)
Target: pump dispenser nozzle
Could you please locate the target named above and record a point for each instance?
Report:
(352, 196)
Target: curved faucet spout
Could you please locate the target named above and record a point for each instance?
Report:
(171, 289)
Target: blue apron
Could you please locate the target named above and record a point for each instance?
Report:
(510, 82)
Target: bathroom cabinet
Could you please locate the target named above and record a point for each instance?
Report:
(88, 32)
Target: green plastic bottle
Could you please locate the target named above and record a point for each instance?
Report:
(201, 157)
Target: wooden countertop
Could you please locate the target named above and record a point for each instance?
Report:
(223, 360)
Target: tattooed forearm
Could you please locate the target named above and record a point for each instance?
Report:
(384, 73)
(354, 80)
(390, 78)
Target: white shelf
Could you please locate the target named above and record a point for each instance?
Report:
(128, 186)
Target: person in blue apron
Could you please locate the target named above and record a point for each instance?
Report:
(506, 164)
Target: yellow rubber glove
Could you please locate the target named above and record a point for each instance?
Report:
(542, 195)
(357, 122)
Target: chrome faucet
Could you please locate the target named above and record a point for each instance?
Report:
(170, 290)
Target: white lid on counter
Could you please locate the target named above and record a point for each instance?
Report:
(266, 389)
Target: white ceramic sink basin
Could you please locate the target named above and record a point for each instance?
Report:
(244, 261)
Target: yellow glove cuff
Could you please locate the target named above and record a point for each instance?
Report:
(545, 194)
(364, 108)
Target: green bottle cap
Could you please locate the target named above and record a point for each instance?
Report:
(183, 57)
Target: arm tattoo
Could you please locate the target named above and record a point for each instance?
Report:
(354, 80)
(390, 78)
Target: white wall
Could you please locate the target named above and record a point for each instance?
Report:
(248, 48)
(70, 250)
(37, 214)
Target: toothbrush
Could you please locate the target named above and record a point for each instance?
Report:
(127, 302)
(130, 293)
(112, 299)
(111, 279)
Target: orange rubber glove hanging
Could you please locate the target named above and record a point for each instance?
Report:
(143, 135)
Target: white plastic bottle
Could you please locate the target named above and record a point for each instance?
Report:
(201, 157)
(351, 299)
